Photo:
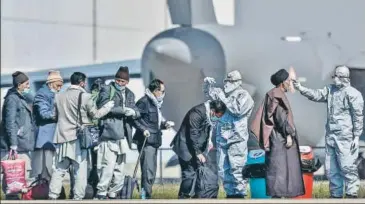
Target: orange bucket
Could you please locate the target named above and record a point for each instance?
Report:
(306, 153)
(308, 185)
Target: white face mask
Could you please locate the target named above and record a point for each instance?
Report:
(160, 98)
(229, 87)
(337, 82)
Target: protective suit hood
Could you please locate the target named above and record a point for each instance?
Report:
(341, 77)
(232, 81)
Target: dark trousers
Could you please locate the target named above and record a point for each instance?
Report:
(188, 175)
(148, 168)
(93, 179)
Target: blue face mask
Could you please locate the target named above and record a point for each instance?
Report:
(26, 91)
(214, 118)
(119, 87)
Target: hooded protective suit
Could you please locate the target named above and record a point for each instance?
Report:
(344, 127)
(231, 131)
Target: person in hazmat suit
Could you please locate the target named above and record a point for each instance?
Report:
(231, 131)
(343, 129)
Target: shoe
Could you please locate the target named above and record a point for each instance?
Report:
(101, 197)
(351, 196)
(52, 198)
(236, 196)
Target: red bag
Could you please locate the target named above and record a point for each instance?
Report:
(14, 173)
(38, 190)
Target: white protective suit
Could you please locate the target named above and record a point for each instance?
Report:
(344, 127)
(231, 131)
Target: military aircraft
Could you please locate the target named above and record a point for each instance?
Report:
(266, 36)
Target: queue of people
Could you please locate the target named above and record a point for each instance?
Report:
(45, 133)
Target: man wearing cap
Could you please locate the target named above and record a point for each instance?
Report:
(115, 134)
(232, 131)
(344, 127)
(18, 124)
(45, 118)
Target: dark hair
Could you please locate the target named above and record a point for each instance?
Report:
(155, 84)
(77, 78)
(98, 83)
(218, 106)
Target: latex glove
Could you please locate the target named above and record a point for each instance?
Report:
(297, 84)
(217, 93)
(96, 148)
(129, 112)
(289, 141)
(201, 158)
(209, 80)
(169, 124)
(146, 133)
(109, 105)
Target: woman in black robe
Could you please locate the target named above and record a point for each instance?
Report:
(274, 127)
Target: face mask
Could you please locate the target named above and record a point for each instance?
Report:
(337, 82)
(160, 98)
(119, 87)
(214, 118)
(229, 86)
(53, 91)
(26, 91)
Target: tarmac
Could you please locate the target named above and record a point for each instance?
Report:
(198, 201)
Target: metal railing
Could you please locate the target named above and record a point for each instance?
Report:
(160, 151)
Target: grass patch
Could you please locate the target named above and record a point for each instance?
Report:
(170, 191)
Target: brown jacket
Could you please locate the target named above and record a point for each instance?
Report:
(263, 123)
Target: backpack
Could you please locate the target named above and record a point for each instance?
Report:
(112, 92)
(95, 97)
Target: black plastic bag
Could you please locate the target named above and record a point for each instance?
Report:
(311, 166)
(361, 165)
(205, 183)
(254, 171)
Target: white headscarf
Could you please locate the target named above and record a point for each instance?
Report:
(158, 104)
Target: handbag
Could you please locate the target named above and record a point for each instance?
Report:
(88, 134)
(130, 183)
(14, 173)
(38, 190)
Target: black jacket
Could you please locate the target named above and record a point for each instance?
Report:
(115, 125)
(18, 127)
(148, 121)
(192, 137)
